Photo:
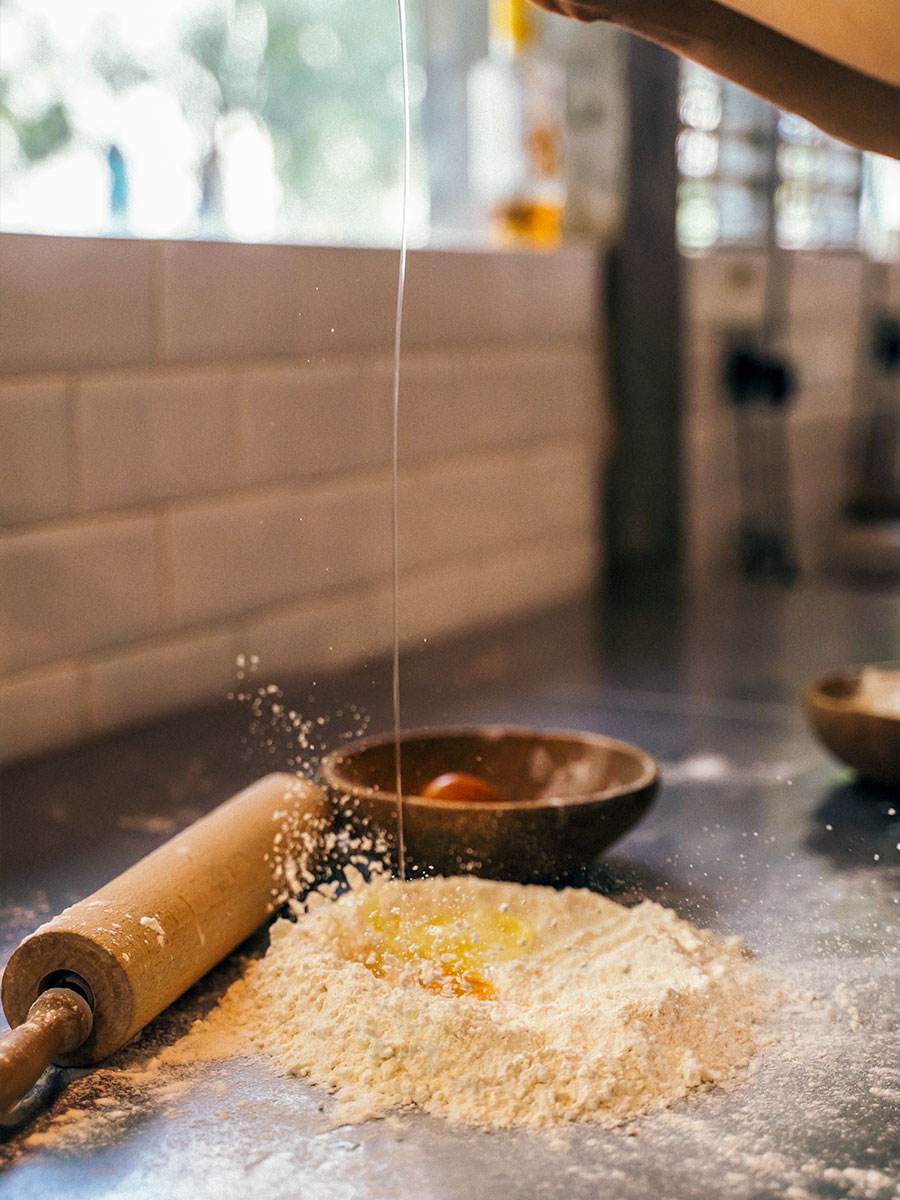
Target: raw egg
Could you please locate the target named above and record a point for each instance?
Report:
(453, 949)
(458, 786)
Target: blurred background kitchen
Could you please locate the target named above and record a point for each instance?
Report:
(679, 357)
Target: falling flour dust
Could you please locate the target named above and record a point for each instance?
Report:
(491, 1003)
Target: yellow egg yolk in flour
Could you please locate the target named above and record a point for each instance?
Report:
(454, 948)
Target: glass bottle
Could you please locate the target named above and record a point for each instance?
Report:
(517, 99)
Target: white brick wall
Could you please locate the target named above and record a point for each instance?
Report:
(155, 436)
(74, 588)
(195, 449)
(195, 455)
(36, 467)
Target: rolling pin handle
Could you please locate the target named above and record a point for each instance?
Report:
(58, 1022)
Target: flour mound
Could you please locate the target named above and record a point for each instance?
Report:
(492, 1003)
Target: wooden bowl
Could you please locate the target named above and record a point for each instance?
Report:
(861, 732)
(566, 797)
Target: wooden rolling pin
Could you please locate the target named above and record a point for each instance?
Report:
(85, 983)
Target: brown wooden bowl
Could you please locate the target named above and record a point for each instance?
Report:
(567, 796)
(855, 730)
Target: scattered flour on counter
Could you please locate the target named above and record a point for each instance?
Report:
(492, 1003)
(101, 1119)
(707, 767)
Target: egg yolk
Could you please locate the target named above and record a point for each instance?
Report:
(454, 950)
(457, 785)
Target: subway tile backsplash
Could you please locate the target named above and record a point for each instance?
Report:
(72, 303)
(42, 708)
(306, 420)
(240, 302)
(36, 467)
(74, 589)
(156, 436)
(195, 463)
(195, 454)
(154, 677)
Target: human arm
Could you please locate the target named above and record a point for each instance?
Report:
(836, 65)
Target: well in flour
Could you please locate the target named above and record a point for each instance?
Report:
(492, 1003)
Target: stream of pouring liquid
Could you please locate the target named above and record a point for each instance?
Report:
(395, 505)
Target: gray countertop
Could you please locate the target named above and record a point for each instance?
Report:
(756, 832)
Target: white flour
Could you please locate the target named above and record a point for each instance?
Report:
(492, 1003)
(153, 924)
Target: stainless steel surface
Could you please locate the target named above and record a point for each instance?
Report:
(755, 832)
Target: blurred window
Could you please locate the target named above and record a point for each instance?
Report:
(246, 119)
(750, 174)
(272, 120)
(281, 120)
